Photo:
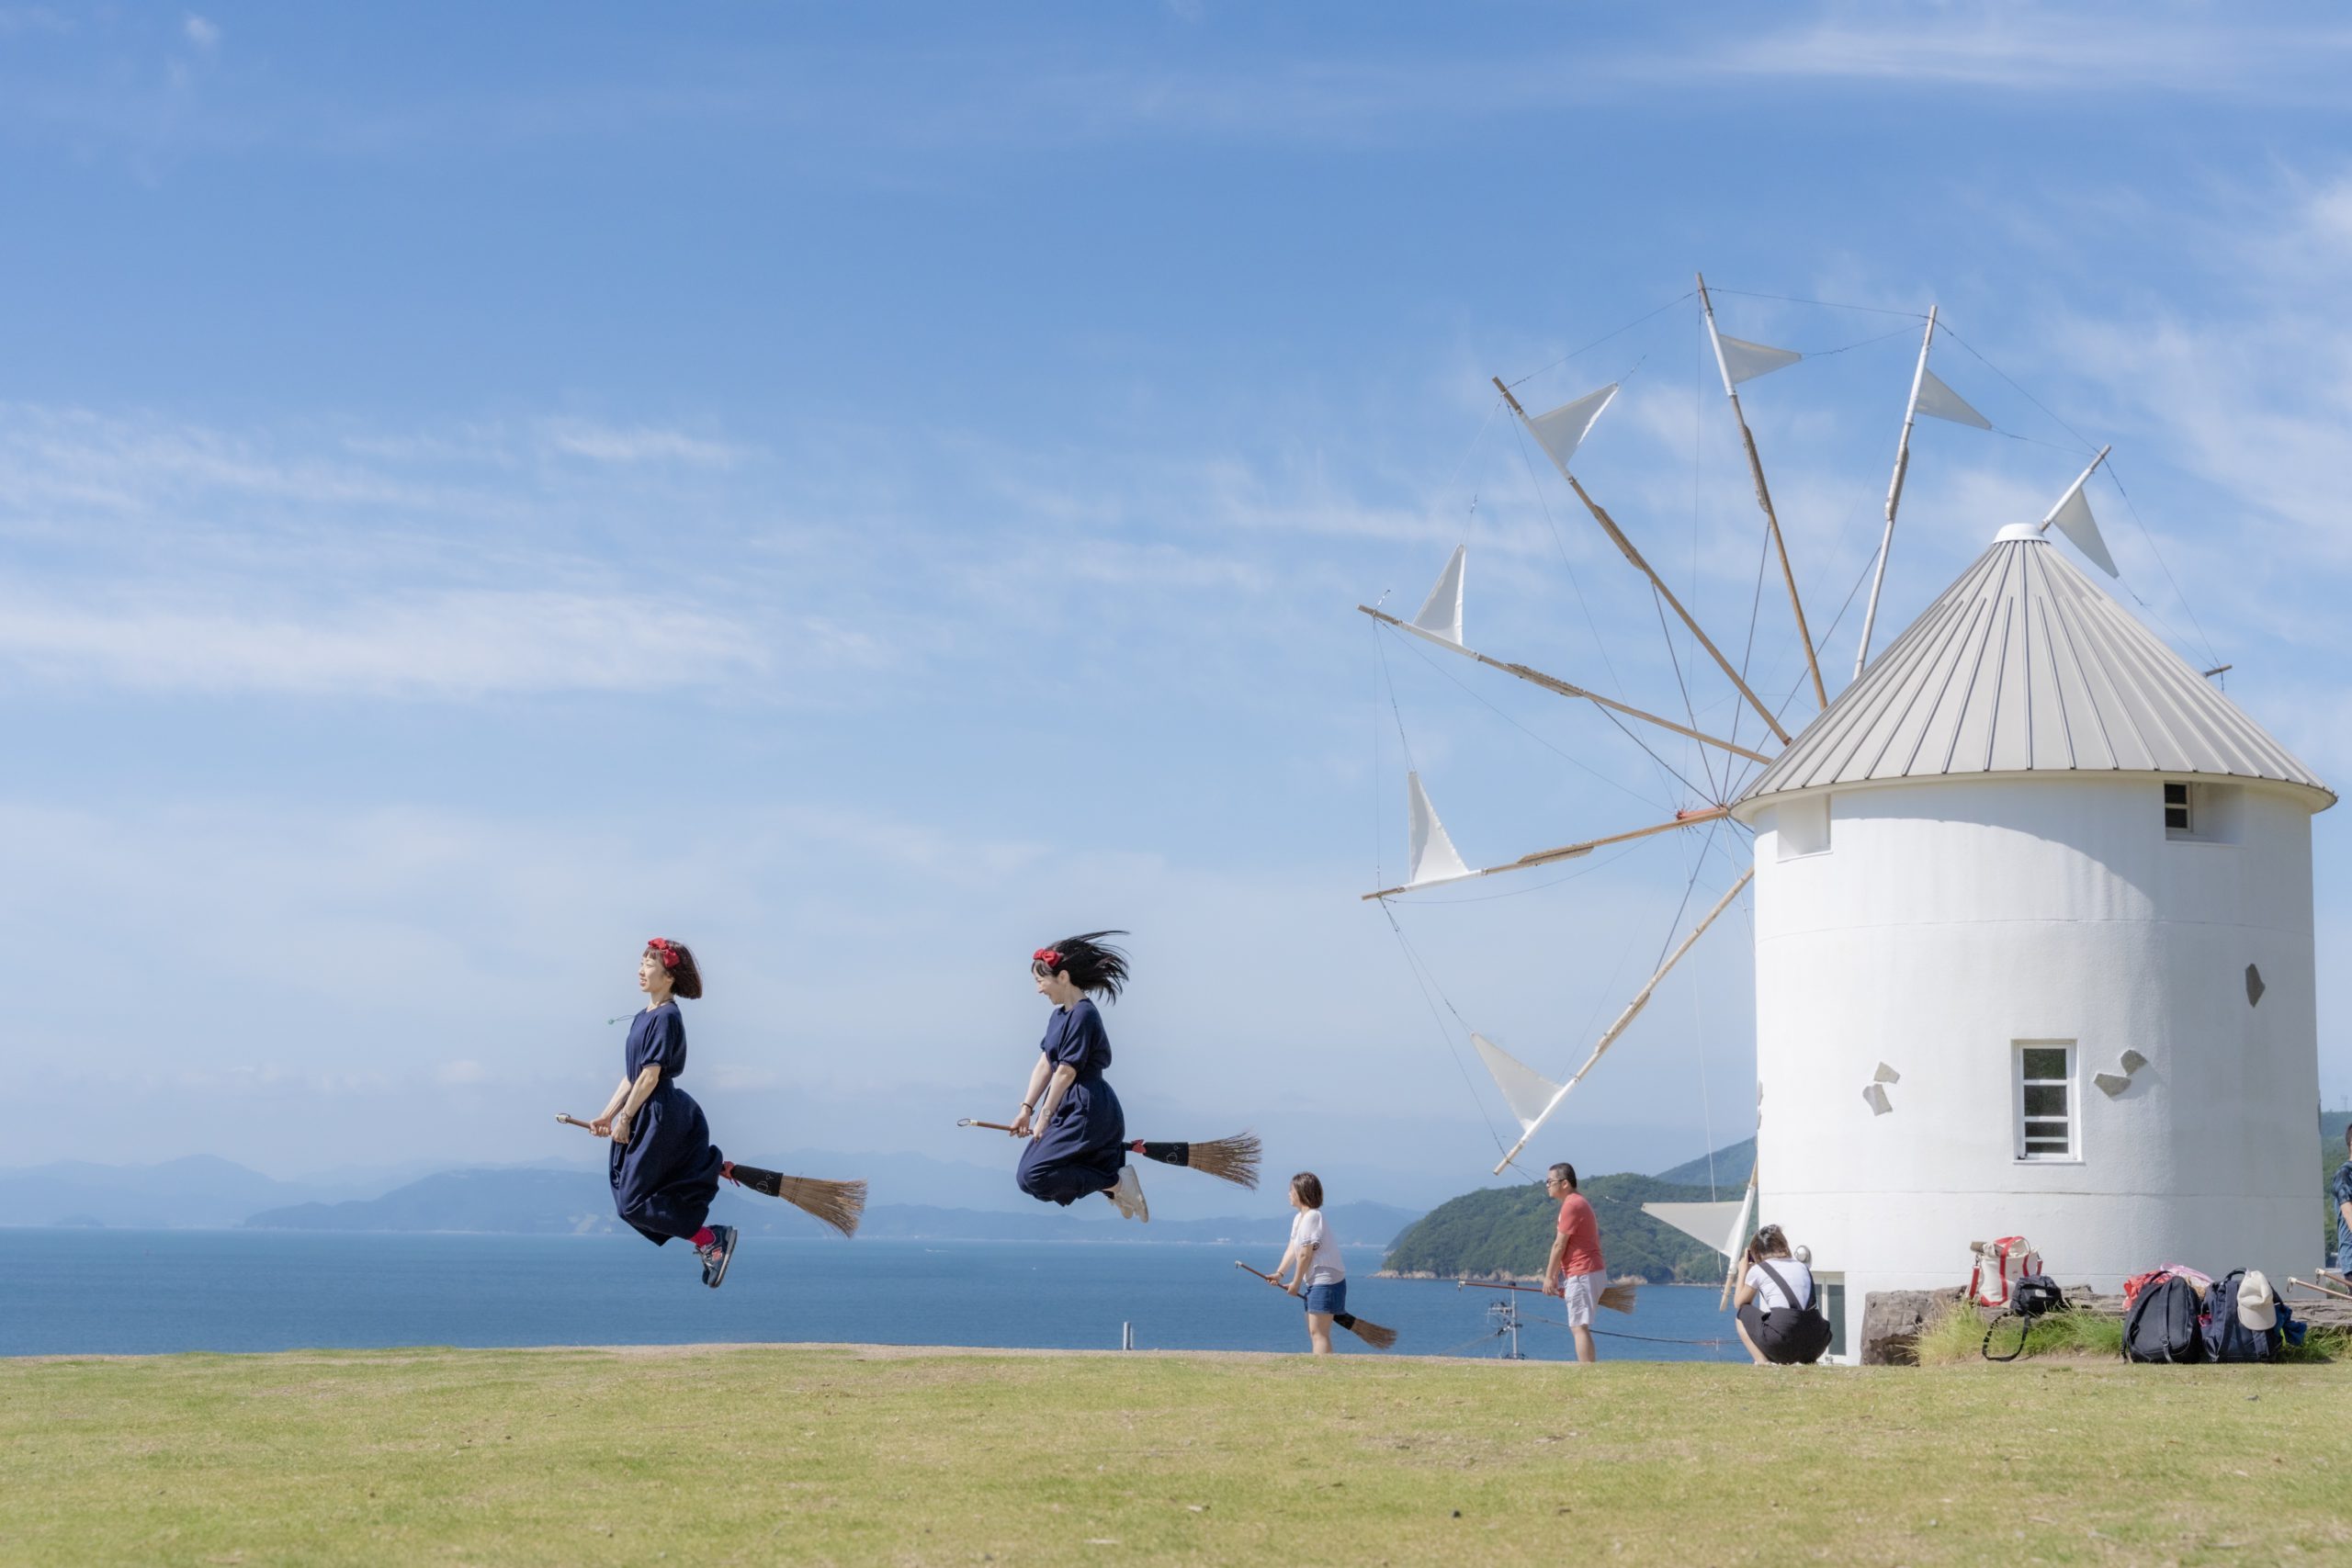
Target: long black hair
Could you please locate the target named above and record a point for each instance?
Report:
(1092, 964)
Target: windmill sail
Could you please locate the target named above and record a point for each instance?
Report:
(1563, 429)
(1441, 616)
(1432, 856)
(1744, 361)
(1937, 401)
(1528, 1092)
(2072, 517)
(1709, 1223)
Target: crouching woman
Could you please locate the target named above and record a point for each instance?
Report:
(1780, 1319)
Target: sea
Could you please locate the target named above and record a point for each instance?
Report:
(75, 1292)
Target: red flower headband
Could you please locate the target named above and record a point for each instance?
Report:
(662, 948)
(1049, 957)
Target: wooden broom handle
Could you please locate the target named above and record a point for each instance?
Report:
(991, 1126)
(573, 1122)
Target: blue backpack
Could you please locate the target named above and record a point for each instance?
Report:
(2226, 1338)
(2163, 1323)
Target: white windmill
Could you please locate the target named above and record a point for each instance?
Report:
(2033, 912)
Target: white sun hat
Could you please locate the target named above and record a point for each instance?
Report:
(2257, 1306)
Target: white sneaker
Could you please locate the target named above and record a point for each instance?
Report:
(1128, 1196)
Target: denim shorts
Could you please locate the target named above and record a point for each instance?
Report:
(1331, 1298)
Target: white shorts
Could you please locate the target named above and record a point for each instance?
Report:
(1582, 1293)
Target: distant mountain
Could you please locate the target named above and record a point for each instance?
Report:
(1730, 1165)
(199, 1191)
(1509, 1230)
(510, 1201)
(578, 1201)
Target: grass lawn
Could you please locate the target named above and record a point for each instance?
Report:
(824, 1454)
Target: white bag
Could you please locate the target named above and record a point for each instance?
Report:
(1997, 1266)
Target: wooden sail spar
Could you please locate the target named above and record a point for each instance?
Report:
(1632, 1011)
(1565, 689)
(1545, 857)
(1763, 490)
(1894, 493)
(1625, 548)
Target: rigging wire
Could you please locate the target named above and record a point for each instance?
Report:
(1644, 1338)
(1943, 325)
(1426, 981)
(2089, 446)
(1606, 663)
(1507, 718)
(1825, 304)
(2212, 657)
(1423, 979)
(1629, 326)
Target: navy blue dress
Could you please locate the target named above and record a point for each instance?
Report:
(666, 1174)
(1085, 1146)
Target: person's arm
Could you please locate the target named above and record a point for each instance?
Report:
(1064, 1076)
(1275, 1277)
(647, 1078)
(1306, 1251)
(601, 1125)
(1552, 1262)
(1021, 1120)
(1744, 1293)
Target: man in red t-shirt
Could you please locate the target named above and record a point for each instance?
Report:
(1574, 1269)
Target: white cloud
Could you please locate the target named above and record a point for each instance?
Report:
(637, 444)
(204, 34)
(465, 643)
(2040, 48)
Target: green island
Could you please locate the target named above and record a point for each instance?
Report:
(842, 1455)
(1507, 1231)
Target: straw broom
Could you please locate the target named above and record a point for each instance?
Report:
(1233, 1159)
(1618, 1297)
(1371, 1333)
(2321, 1290)
(839, 1204)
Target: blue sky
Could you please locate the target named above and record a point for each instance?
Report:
(867, 491)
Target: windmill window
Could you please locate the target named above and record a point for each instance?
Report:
(1801, 827)
(2178, 817)
(2046, 1100)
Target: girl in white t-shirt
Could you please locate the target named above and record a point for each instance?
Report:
(1763, 1306)
(1313, 1260)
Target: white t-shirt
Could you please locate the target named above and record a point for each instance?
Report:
(1768, 1294)
(1311, 1229)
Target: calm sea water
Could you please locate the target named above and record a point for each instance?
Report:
(137, 1293)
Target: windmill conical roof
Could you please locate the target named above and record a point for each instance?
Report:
(2024, 665)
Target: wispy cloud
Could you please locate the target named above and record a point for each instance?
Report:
(2014, 48)
(462, 644)
(637, 444)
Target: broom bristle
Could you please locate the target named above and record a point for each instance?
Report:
(1233, 1159)
(1619, 1297)
(838, 1203)
(1373, 1334)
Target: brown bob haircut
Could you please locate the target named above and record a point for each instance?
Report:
(685, 980)
(1310, 1188)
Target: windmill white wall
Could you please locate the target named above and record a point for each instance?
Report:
(1970, 850)
(1945, 923)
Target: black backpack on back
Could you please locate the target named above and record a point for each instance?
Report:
(2163, 1323)
(2227, 1340)
(1795, 1337)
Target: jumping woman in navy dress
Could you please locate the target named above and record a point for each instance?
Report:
(1078, 1134)
(665, 1170)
